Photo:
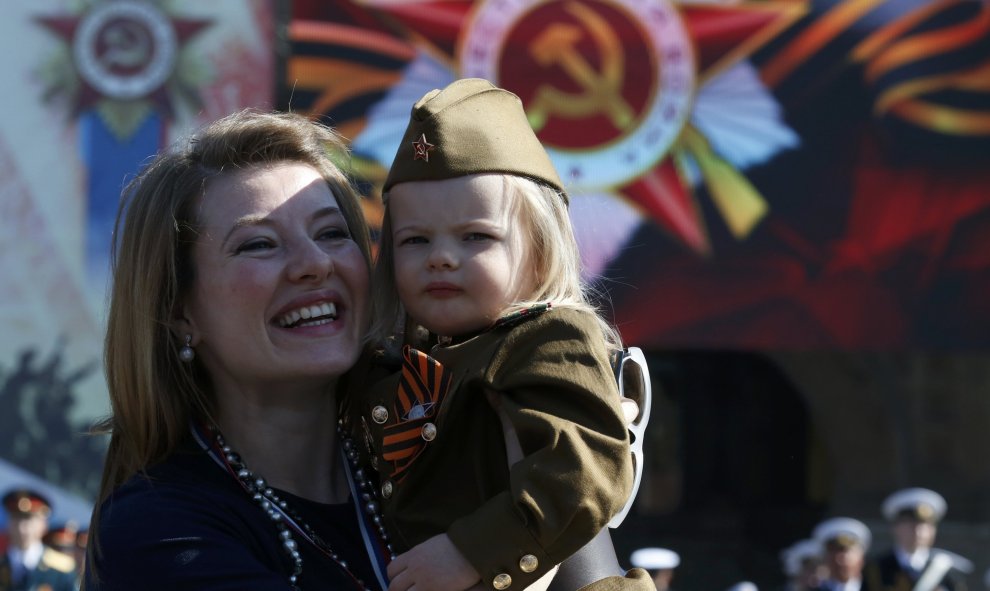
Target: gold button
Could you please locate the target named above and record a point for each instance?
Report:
(379, 414)
(528, 563)
(387, 489)
(502, 581)
(429, 431)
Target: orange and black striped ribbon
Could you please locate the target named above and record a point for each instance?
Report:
(931, 69)
(422, 385)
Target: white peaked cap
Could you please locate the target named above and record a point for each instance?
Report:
(655, 558)
(842, 527)
(743, 586)
(792, 556)
(920, 499)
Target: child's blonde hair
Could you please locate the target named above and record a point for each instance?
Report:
(552, 251)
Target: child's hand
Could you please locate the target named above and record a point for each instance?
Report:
(434, 565)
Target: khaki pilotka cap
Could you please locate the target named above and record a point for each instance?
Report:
(470, 127)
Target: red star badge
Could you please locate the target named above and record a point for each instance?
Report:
(422, 148)
(95, 36)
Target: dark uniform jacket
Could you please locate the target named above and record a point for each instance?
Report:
(865, 585)
(55, 572)
(559, 393)
(190, 526)
(887, 574)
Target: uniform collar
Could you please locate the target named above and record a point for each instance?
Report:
(915, 561)
(29, 558)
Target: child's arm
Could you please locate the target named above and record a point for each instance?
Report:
(434, 565)
(558, 392)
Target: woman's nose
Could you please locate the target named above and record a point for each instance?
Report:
(309, 262)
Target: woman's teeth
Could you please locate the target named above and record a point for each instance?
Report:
(310, 315)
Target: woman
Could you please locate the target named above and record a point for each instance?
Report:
(239, 297)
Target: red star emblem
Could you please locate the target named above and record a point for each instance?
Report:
(422, 148)
(108, 42)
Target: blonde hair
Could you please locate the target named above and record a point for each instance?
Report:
(153, 394)
(553, 253)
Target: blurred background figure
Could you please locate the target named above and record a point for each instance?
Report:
(79, 552)
(743, 586)
(912, 562)
(63, 537)
(845, 542)
(28, 564)
(660, 562)
(803, 564)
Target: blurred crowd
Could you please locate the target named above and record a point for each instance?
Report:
(37, 555)
(837, 554)
(835, 557)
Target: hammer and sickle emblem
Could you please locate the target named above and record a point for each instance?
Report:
(601, 90)
(128, 45)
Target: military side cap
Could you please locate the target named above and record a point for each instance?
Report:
(655, 558)
(844, 532)
(915, 503)
(470, 127)
(796, 554)
(23, 501)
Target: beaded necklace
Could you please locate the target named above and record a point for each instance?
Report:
(287, 520)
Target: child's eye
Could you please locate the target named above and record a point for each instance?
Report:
(473, 236)
(414, 240)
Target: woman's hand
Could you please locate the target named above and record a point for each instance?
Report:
(434, 565)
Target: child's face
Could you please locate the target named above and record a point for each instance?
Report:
(460, 252)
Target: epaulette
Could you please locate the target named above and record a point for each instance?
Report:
(59, 561)
(522, 315)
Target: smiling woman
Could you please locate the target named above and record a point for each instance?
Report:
(239, 298)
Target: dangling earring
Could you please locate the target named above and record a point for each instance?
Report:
(186, 353)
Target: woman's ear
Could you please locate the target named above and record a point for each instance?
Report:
(184, 325)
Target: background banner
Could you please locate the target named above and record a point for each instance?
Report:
(774, 174)
(91, 90)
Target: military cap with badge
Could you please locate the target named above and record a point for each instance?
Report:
(842, 532)
(470, 127)
(24, 501)
(920, 504)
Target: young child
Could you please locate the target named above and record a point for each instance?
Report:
(478, 250)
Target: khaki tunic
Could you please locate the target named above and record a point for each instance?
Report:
(558, 391)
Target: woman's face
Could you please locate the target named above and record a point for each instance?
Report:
(280, 292)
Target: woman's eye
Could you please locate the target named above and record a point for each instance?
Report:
(255, 245)
(334, 234)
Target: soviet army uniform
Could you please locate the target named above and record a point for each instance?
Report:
(559, 393)
(55, 571)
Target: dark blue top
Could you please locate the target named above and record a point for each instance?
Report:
(189, 525)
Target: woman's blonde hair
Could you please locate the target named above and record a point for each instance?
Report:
(553, 253)
(153, 394)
